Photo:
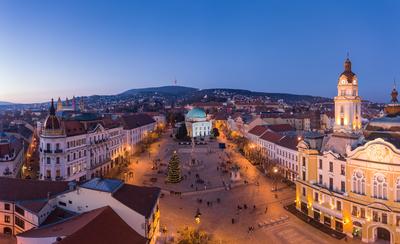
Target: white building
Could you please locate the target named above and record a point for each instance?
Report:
(11, 155)
(79, 148)
(197, 124)
(137, 127)
(86, 145)
(64, 212)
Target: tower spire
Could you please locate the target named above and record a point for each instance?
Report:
(52, 109)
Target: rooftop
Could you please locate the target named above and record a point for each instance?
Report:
(107, 185)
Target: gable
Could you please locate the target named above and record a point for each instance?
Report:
(378, 151)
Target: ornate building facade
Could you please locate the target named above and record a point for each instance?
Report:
(350, 180)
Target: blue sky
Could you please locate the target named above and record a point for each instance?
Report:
(64, 48)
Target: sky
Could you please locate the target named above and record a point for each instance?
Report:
(59, 48)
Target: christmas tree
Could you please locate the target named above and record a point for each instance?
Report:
(174, 170)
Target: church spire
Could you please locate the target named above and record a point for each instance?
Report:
(52, 109)
(394, 93)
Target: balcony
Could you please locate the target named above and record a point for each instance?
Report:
(48, 151)
(58, 151)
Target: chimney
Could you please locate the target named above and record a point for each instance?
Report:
(72, 185)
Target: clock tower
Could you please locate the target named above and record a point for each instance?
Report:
(347, 102)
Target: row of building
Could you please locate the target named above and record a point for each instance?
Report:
(347, 179)
(82, 145)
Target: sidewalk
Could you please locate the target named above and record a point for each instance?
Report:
(321, 227)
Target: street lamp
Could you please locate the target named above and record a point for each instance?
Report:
(197, 216)
(275, 171)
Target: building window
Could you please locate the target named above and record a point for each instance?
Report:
(320, 179)
(330, 183)
(304, 191)
(304, 175)
(331, 167)
(363, 213)
(19, 210)
(316, 197)
(320, 164)
(57, 160)
(6, 219)
(354, 211)
(339, 205)
(62, 203)
(375, 216)
(48, 160)
(398, 190)
(342, 170)
(384, 218)
(304, 162)
(341, 121)
(343, 186)
(7, 206)
(380, 187)
(19, 222)
(358, 185)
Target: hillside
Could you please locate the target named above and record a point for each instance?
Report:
(164, 90)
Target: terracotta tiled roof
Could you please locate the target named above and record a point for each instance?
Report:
(100, 226)
(288, 142)
(139, 198)
(33, 205)
(281, 127)
(258, 130)
(73, 128)
(19, 189)
(271, 137)
(136, 120)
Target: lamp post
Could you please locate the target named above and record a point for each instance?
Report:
(275, 173)
(197, 216)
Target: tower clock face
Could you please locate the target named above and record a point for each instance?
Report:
(355, 81)
(343, 82)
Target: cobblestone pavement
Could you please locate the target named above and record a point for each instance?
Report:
(216, 217)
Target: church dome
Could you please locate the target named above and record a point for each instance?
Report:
(196, 113)
(347, 76)
(52, 122)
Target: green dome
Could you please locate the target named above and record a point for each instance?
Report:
(196, 113)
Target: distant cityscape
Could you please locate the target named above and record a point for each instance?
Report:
(134, 160)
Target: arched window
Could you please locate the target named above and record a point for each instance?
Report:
(379, 186)
(398, 190)
(358, 180)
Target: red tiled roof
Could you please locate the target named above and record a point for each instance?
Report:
(258, 130)
(19, 189)
(73, 128)
(271, 137)
(139, 198)
(33, 205)
(281, 127)
(136, 120)
(100, 226)
(289, 142)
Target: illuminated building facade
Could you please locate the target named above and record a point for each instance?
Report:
(348, 180)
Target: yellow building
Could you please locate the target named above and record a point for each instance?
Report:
(351, 181)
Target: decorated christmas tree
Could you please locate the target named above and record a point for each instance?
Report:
(174, 170)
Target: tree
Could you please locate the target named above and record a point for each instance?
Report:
(174, 169)
(215, 132)
(194, 236)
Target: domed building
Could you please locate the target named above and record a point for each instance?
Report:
(197, 123)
